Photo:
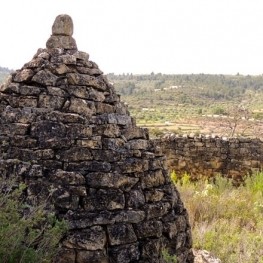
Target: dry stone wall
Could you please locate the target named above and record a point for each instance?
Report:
(67, 135)
(207, 156)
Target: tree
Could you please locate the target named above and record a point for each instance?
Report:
(238, 117)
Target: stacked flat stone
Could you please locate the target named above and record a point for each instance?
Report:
(67, 135)
(207, 156)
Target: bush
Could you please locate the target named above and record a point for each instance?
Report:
(168, 258)
(226, 220)
(28, 234)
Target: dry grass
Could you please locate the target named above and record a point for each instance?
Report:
(226, 220)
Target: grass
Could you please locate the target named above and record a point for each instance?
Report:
(226, 220)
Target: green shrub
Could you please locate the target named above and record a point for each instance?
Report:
(168, 258)
(225, 219)
(28, 234)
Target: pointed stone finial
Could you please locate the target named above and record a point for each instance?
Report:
(62, 31)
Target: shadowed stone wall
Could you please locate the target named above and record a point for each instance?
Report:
(207, 156)
(67, 135)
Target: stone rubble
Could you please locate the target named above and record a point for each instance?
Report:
(67, 135)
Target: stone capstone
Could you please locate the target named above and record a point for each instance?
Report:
(66, 134)
(63, 25)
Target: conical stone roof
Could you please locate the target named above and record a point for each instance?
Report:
(67, 135)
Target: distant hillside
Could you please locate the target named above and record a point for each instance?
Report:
(161, 97)
(4, 72)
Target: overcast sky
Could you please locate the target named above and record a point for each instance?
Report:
(143, 36)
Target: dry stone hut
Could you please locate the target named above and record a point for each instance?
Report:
(67, 135)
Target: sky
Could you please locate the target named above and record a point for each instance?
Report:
(143, 36)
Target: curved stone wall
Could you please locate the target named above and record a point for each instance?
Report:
(67, 135)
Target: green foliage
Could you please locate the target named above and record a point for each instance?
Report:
(255, 183)
(225, 219)
(168, 258)
(218, 110)
(28, 234)
(174, 177)
(183, 180)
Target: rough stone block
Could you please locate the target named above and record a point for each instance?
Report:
(63, 25)
(110, 180)
(153, 179)
(66, 42)
(24, 75)
(154, 195)
(103, 199)
(137, 144)
(27, 102)
(89, 166)
(68, 178)
(108, 130)
(14, 129)
(85, 80)
(151, 250)
(121, 234)
(54, 91)
(65, 256)
(157, 210)
(66, 59)
(51, 102)
(45, 78)
(150, 228)
(125, 253)
(47, 129)
(74, 154)
(93, 143)
(104, 108)
(135, 199)
(29, 90)
(133, 165)
(63, 200)
(77, 131)
(82, 107)
(96, 256)
(93, 238)
(23, 141)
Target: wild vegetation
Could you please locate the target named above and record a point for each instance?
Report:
(28, 234)
(198, 103)
(226, 220)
